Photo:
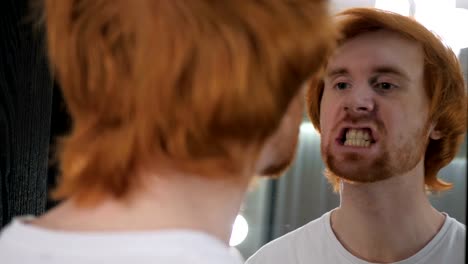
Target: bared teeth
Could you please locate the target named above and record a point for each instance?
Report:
(353, 133)
(366, 136)
(357, 142)
(359, 134)
(357, 137)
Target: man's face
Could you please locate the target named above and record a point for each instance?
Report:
(374, 108)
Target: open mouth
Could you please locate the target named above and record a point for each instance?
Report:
(356, 137)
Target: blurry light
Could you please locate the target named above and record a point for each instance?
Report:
(401, 7)
(441, 17)
(239, 231)
(447, 22)
(308, 128)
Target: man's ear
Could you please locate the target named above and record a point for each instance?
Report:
(435, 134)
(278, 150)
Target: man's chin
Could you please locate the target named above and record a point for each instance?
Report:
(359, 174)
(353, 168)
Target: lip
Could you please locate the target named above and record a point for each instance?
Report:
(363, 152)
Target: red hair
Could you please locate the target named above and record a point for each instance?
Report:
(186, 85)
(443, 81)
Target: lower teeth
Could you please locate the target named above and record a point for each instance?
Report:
(361, 143)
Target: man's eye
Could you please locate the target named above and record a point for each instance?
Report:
(384, 86)
(341, 85)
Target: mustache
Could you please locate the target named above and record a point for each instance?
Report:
(361, 118)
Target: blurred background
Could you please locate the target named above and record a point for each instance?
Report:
(275, 207)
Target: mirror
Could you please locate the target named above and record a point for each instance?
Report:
(276, 207)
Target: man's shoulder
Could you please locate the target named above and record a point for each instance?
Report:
(456, 231)
(448, 246)
(307, 232)
(282, 249)
(21, 243)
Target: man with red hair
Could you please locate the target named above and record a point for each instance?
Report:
(176, 105)
(391, 110)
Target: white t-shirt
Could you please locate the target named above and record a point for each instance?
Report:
(316, 243)
(27, 244)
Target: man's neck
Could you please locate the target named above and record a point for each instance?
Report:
(386, 221)
(188, 203)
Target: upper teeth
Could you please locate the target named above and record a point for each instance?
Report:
(357, 137)
(357, 134)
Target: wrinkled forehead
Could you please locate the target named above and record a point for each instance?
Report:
(376, 50)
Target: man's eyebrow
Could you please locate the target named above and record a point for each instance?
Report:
(385, 69)
(337, 71)
(391, 70)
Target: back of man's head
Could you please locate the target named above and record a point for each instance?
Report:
(185, 85)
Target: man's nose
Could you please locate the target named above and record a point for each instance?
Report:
(360, 100)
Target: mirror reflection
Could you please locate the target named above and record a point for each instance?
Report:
(303, 194)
